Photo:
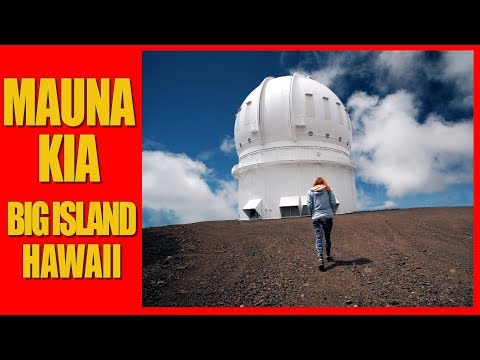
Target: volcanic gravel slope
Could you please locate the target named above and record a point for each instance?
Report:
(404, 257)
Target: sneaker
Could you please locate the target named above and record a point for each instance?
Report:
(321, 267)
(329, 258)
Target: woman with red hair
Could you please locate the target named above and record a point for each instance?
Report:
(322, 205)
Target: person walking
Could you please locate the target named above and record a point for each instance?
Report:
(322, 205)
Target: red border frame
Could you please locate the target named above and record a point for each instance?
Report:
(134, 307)
(473, 310)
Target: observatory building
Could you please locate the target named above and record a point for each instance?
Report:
(289, 131)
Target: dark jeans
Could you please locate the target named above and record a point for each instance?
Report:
(322, 226)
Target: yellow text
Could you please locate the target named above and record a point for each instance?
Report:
(70, 218)
(64, 261)
(76, 166)
(81, 100)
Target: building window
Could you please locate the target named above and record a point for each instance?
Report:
(289, 206)
(309, 106)
(289, 211)
(246, 117)
(326, 108)
(340, 113)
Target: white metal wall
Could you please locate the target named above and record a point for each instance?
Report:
(271, 182)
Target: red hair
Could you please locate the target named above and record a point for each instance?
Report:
(319, 181)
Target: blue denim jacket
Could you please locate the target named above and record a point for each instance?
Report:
(321, 204)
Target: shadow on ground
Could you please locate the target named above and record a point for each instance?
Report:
(359, 261)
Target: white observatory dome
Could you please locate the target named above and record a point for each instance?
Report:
(288, 131)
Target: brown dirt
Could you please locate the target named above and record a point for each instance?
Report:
(405, 257)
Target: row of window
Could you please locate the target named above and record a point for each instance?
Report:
(310, 110)
(285, 212)
(309, 113)
(293, 211)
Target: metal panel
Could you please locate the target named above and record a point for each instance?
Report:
(326, 109)
(289, 201)
(246, 118)
(252, 204)
(253, 209)
(269, 183)
(309, 106)
(340, 113)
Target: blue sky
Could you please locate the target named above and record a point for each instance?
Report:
(411, 114)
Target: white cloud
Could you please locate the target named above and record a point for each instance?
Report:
(327, 66)
(393, 149)
(206, 155)
(364, 201)
(458, 67)
(228, 145)
(403, 69)
(398, 61)
(326, 75)
(368, 202)
(400, 66)
(151, 144)
(389, 204)
(389, 68)
(388, 71)
(176, 185)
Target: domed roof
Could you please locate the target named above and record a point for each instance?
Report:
(292, 110)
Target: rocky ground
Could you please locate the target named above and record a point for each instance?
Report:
(405, 257)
